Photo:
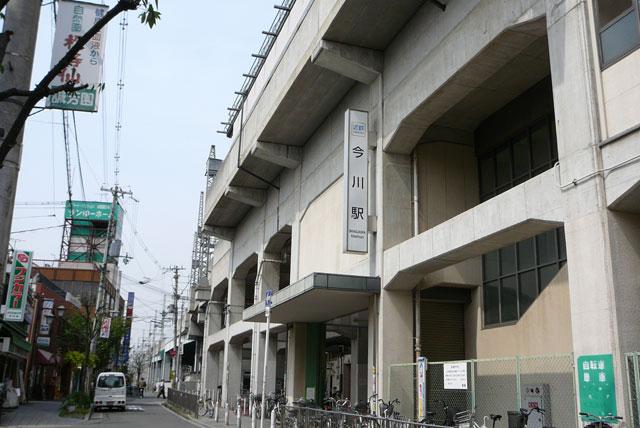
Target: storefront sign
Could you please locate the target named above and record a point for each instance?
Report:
(455, 375)
(18, 285)
(422, 387)
(43, 341)
(597, 385)
(105, 328)
(73, 21)
(44, 326)
(356, 182)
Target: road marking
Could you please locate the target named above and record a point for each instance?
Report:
(135, 409)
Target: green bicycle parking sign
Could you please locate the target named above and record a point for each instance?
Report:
(597, 385)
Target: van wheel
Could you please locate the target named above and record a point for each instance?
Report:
(123, 408)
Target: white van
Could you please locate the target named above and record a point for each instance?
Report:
(111, 391)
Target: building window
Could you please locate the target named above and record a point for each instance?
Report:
(618, 26)
(527, 154)
(515, 275)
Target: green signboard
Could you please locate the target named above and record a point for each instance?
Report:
(597, 385)
(87, 210)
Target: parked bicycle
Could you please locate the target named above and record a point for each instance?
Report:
(205, 406)
(596, 421)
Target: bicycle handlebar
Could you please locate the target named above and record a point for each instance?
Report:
(589, 415)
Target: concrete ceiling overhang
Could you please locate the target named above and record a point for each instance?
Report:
(318, 297)
(313, 93)
(511, 63)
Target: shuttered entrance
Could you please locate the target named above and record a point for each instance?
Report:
(442, 330)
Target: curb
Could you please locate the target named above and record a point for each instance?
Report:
(183, 415)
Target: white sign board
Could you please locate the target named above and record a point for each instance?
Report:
(356, 181)
(455, 376)
(73, 21)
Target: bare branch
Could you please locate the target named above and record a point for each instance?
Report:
(41, 88)
(13, 92)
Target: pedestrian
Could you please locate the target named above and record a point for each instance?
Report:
(141, 386)
(161, 389)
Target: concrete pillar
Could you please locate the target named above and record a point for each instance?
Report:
(231, 384)
(210, 370)
(235, 298)
(271, 363)
(296, 351)
(601, 255)
(359, 366)
(395, 338)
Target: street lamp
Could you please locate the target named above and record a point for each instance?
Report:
(60, 311)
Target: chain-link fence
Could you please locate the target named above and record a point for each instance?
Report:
(633, 382)
(493, 386)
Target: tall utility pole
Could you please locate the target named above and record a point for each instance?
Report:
(100, 295)
(176, 296)
(21, 18)
(178, 357)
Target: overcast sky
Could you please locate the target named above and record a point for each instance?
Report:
(179, 80)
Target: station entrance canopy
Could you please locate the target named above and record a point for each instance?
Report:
(318, 297)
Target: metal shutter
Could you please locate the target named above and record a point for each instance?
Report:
(442, 330)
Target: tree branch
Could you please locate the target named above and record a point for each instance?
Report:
(41, 88)
(67, 87)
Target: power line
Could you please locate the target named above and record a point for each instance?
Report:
(36, 229)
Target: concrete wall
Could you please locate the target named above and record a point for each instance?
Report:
(321, 237)
(545, 328)
(621, 89)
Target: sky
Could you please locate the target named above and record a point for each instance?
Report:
(179, 79)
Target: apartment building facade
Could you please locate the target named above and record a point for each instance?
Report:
(502, 195)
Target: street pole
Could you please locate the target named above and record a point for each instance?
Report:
(267, 311)
(176, 296)
(21, 18)
(178, 357)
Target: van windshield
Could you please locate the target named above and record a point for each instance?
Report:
(110, 381)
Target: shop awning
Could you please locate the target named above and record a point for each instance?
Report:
(17, 333)
(316, 298)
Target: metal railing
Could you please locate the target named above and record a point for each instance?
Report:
(184, 401)
(308, 417)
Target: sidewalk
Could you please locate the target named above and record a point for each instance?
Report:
(209, 422)
(37, 413)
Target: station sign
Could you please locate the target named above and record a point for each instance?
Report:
(356, 182)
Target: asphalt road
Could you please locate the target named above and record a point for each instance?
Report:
(143, 413)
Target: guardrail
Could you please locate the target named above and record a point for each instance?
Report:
(308, 417)
(183, 400)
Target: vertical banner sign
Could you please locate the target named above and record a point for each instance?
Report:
(105, 328)
(74, 19)
(356, 182)
(422, 388)
(18, 286)
(126, 340)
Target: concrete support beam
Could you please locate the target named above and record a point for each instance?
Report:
(247, 196)
(296, 353)
(278, 154)
(224, 233)
(360, 64)
(395, 339)
(210, 371)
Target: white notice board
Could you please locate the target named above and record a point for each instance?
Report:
(455, 375)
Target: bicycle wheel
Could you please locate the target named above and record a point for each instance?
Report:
(203, 407)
